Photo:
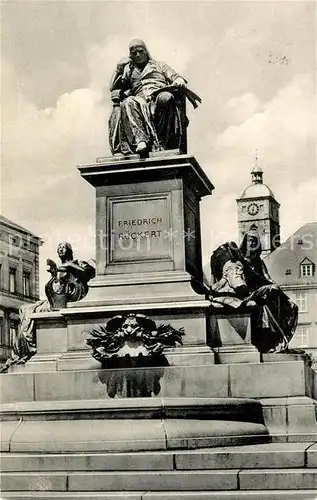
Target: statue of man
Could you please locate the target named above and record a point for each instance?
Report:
(242, 282)
(148, 119)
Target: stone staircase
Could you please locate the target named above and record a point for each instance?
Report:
(64, 437)
(269, 471)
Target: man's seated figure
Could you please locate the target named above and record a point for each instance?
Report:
(242, 283)
(146, 117)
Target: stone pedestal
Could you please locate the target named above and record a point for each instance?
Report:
(148, 259)
(148, 237)
(231, 338)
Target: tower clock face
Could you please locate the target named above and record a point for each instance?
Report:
(253, 209)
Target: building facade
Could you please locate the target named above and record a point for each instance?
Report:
(258, 207)
(19, 278)
(293, 267)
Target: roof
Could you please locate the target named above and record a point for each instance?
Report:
(257, 191)
(14, 225)
(256, 169)
(299, 248)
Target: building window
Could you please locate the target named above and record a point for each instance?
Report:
(26, 283)
(306, 270)
(302, 336)
(300, 299)
(12, 239)
(12, 279)
(15, 240)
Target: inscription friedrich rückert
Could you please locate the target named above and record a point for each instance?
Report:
(139, 224)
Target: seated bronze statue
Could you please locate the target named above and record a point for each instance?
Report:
(148, 105)
(242, 283)
(68, 283)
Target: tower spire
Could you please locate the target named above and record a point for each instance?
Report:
(257, 172)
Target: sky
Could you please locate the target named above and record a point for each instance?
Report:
(252, 63)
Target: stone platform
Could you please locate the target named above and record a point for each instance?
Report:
(131, 425)
(268, 471)
(288, 407)
(215, 420)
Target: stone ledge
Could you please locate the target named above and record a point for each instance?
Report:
(35, 495)
(87, 462)
(233, 495)
(135, 156)
(267, 456)
(78, 308)
(197, 303)
(256, 381)
(139, 278)
(33, 481)
(159, 481)
(278, 479)
(147, 169)
(244, 410)
(183, 495)
(117, 435)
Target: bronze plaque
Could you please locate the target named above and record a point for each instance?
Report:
(140, 228)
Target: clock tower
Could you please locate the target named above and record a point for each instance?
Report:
(258, 207)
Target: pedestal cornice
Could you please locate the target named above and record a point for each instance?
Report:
(112, 170)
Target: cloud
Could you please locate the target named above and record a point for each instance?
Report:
(223, 50)
(239, 108)
(40, 151)
(283, 131)
(301, 202)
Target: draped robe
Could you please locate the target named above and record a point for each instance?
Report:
(142, 113)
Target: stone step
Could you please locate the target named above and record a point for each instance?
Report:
(60, 436)
(261, 456)
(289, 419)
(183, 495)
(177, 481)
(234, 409)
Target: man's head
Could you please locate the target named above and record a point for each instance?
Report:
(233, 273)
(138, 52)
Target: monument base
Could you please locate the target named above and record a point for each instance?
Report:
(237, 353)
(83, 360)
(128, 289)
(231, 338)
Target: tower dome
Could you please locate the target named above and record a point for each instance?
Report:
(257, 189)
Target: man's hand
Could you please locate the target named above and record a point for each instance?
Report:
(179, 82)
(122, 64)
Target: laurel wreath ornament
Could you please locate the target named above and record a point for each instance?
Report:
(133, 335)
